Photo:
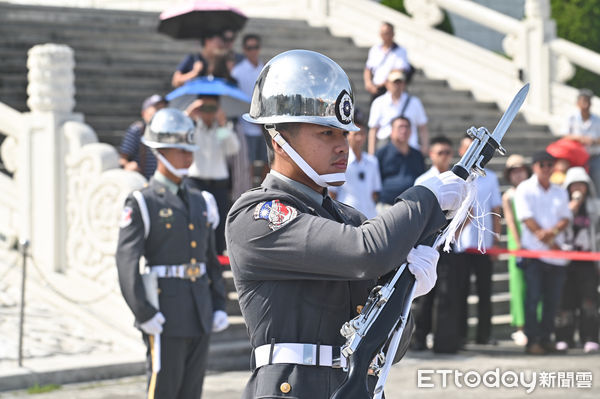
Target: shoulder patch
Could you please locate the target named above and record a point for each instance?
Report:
(126, 217)
(276, 213)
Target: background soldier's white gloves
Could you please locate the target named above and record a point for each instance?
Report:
(449, 189)
(220, 321)
(154, 325)
(422, 262)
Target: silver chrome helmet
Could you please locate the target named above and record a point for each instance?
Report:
(303, 86)
(170, 128)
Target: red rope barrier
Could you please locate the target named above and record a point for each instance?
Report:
(224, 260)
(523, 253)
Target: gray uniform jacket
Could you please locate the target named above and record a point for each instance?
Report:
(178, 234)
(299, 280)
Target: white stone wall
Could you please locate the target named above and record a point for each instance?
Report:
(480, 35)
(67, 190)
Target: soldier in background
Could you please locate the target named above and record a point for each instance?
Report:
(173, 229)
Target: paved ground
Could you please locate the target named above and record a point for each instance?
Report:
(77, 330)
(497, 364)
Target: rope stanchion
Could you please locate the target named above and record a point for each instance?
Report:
(525, 253)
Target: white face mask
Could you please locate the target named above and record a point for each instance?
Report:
(321, 180)
(180, 173)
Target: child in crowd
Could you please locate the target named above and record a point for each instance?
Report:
(579, 302)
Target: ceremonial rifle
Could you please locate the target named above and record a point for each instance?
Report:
(386, 310)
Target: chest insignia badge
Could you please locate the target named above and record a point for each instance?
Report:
(165, 213)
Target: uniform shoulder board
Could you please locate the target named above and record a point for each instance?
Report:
(275, 212)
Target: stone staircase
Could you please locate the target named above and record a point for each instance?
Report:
(121, 59)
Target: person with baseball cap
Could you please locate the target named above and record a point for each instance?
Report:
(543, 210)
(132, 154)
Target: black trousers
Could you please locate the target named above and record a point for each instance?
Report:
(220, 190)
(481, 266)
(439, 311)
(183, 364)
(545, 283)
(579, 304)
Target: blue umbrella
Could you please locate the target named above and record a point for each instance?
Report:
(233, 101)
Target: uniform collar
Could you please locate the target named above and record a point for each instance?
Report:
(162, 179)
(299, 187)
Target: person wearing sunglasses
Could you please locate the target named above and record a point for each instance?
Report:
(442, 303)
(216, 140)
(229, 37)
(440, 156)
(543, 209)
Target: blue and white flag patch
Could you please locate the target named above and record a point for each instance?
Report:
(276, 213)
(126, 217)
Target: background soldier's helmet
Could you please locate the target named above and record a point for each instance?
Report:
(170, 128)
(303, 86)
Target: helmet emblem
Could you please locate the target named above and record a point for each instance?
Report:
(344, 108)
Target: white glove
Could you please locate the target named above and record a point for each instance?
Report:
(154, 325)
(422, 262)
(220, 321)
(449, 189)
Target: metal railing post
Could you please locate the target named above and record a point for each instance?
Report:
(23, 247)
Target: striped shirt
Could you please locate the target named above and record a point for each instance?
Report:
(135, 150)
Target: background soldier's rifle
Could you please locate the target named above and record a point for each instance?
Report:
(384, 315)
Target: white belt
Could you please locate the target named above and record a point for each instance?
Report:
(178, 271)
(304, 354)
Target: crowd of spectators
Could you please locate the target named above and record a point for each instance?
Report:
(229, 149)
(552, 208)
(548, 204)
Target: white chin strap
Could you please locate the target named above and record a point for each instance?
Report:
(321, 180)
(180, 173)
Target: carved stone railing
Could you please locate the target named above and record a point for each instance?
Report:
(67, 190)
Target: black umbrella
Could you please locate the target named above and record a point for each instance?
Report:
(198, 19)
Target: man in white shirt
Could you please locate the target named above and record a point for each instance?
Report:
(584, 127)
(443, 304)
(396, 102)
(483, 228)
(246, 73)
(382, 59)
(543, 209)
(363, 182)
(215, 140)
(440, 155)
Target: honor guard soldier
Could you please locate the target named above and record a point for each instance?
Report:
(178, 297)
(303, 264)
